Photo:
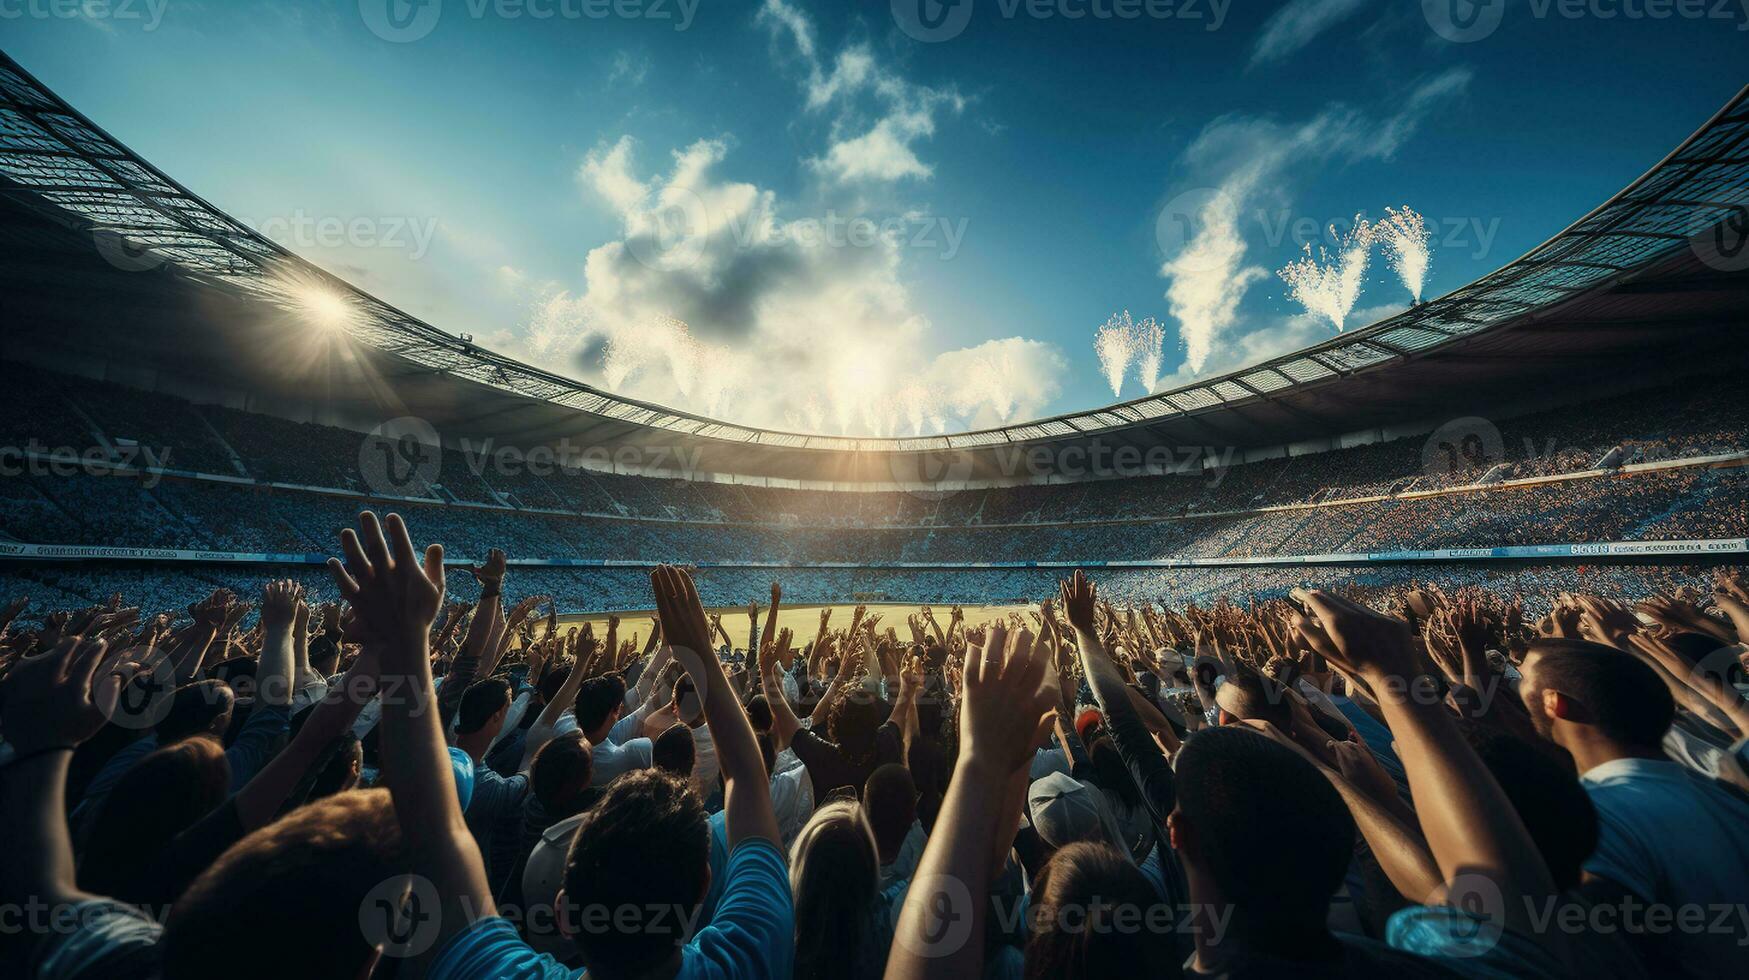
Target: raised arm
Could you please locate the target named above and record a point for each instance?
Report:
(396, 595)
(746, 792)
(1005, 711)
(276, 674)
(542, 731)
(1141, 755)
(1471, 827)
(49, 705)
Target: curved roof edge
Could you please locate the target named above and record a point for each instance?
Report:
(52, 151)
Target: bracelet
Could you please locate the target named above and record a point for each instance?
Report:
(490, 595)
(15, 760)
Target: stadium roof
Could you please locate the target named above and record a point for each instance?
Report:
(1646, 283)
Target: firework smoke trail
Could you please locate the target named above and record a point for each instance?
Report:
(1329, 287)
(621, 358)
(1115, 343)
(1404, 234)
(1149, 340)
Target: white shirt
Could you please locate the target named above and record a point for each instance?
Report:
(610, 761)
(792, 796)
(1678, 839)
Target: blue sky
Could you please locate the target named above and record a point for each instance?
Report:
(798, 213)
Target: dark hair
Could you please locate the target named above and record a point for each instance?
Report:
(164, 794)
(759, 713)
(1236, 787)
(1622, 697)
(311, 872)
(646, 846)
(196, 709)
(684, 692)
(889, 799)
(345, 756)
(560, 773)
(1547, 794)
(673, 751)
(1698, 651)
(852, 723)
(597, 699)
(835, 878)
(480, 702)
(324, 655)
(1094, 879)
(550, 682)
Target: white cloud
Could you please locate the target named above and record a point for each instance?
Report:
(715, 300)
(880, 114)
(1250, 157)
(629, 68)
(1298, 24)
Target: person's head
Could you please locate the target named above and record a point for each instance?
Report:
(644, 846)
(161, 796)
(559, 775)
(1707, 655)
(1235, 788)
(325, 656)
(1064, 810)
(688, 706)
(1578, 692)
(852, 724)
(1080, 902)
(200, 708)
(889, 800)
(1538, 779)
(834, 875)
(759, 713)
(323, 870)
(483, 707)
(673, 751)
(1247, 697)
(1088, 725)
(340, 772)
(548, 686)
(600, 701)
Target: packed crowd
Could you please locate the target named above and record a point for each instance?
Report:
(426, 777)
(1698, 418)
(121, 511)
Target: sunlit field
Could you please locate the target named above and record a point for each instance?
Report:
(803, 620)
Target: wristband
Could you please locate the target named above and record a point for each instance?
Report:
(490, 595)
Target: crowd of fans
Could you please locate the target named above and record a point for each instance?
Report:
(126, 511)
(412, 768)
(1686, 421)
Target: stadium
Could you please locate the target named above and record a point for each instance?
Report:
(151, 323)
(1366, 644)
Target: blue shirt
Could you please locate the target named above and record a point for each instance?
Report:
(751, 936)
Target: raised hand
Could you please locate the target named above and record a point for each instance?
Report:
(280, 600)
(1080, 600)
(59, 699)
(1360, 640)
(394, 595)
(490, 575)
(1007, 704)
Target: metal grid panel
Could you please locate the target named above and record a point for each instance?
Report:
(50, 153)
